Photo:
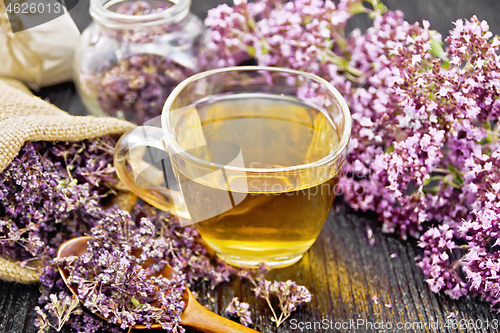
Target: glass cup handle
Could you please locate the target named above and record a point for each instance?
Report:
(164, 198)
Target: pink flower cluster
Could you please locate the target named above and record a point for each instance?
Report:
(425, 120)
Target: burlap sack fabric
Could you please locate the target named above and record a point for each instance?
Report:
(23, 118)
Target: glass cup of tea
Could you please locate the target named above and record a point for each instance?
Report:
(250, 155)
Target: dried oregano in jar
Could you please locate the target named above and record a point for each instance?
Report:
(134, 54)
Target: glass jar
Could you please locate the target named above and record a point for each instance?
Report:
(134, 54)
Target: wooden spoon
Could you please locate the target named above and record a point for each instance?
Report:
(194, 315)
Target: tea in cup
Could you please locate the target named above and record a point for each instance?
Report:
(251, 155)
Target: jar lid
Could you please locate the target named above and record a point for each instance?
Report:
(102, 12)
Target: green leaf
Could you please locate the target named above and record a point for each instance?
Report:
(251, 51)
(445, 63)
(452, 168)
(381, 8)
(356, 7)
(427, 181)
(432, 190)
(265, 51)
(389, 149)
(251, 24)
(437, 48)
(452, 184)
(135, 302)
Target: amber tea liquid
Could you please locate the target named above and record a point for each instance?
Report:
(272, 217)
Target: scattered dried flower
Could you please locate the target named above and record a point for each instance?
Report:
(240, 310)
(289, 294)
(369, 235)
(60, 308)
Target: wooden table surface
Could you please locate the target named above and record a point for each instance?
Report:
(341, 269)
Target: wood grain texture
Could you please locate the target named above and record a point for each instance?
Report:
(341, 269)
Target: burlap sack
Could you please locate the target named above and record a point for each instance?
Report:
(23, 118)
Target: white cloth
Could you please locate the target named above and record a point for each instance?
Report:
(39, 56)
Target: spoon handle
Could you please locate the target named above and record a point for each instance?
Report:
(201, 319)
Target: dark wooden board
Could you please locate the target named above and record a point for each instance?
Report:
(341, 269)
